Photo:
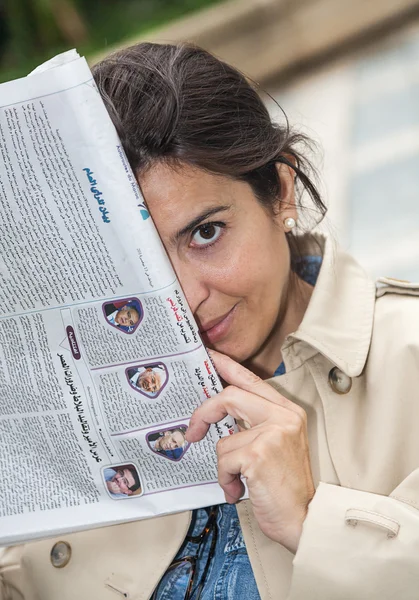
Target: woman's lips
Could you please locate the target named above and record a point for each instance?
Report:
(216, 329)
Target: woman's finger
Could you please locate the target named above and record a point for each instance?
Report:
(239, 440)
(229, 469)
(237, 403)
(235, 374)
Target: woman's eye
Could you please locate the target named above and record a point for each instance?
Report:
(206, 234)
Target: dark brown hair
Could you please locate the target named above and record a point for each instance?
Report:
(179, 104)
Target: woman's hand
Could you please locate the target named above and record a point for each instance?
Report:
(272, 455)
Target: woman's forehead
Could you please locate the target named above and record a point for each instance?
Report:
(176, 196)
(167, 184)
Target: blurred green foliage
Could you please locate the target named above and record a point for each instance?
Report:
(32, 31)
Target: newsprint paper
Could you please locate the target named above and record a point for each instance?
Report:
(101, 363)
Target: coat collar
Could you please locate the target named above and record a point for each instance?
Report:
(338, 320)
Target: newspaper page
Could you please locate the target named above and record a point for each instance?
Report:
(101, 363)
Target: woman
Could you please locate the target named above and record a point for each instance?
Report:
(329, 446)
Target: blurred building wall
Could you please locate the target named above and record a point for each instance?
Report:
(267, 38)
(364, 111)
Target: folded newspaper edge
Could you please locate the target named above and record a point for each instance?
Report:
(56, 61)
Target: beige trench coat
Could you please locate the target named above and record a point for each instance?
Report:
(361, 536)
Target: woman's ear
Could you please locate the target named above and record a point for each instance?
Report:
(286, 203)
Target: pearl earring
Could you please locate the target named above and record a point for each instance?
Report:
(290, 223)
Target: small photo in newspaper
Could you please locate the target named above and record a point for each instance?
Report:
(125, 315)
(122, 481)
(169, 442)
(149, 380)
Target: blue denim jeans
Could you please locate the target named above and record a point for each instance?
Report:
(230, 576)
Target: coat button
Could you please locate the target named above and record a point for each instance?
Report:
(60, 555)
(339, 381)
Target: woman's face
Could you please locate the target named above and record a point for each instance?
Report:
(230, 254)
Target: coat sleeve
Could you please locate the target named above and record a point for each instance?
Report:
(10, 574)
(359, 545)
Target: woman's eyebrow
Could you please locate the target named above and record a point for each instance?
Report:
(195, 222)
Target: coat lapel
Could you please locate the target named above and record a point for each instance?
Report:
(335, 331)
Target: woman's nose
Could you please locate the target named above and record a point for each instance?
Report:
(194, 286)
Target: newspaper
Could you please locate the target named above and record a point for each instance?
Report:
(101, 362)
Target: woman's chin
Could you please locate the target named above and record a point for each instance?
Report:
(231, 349)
